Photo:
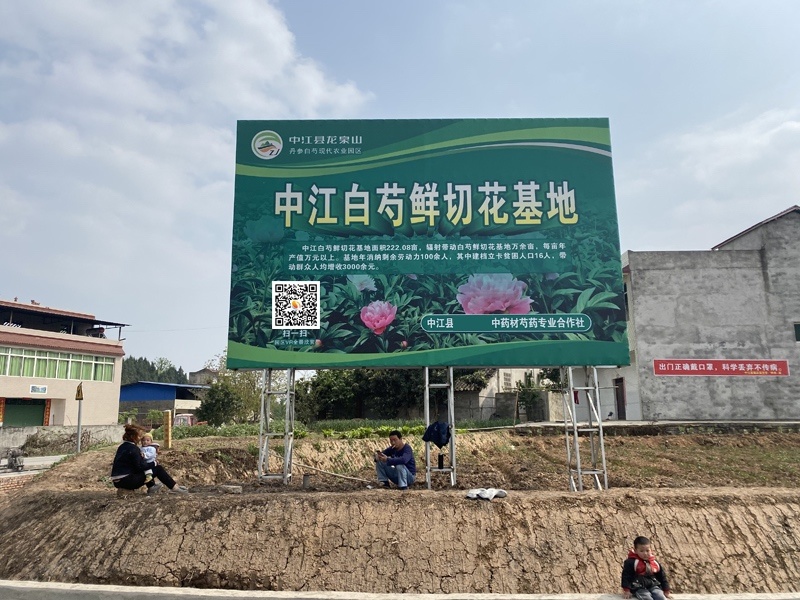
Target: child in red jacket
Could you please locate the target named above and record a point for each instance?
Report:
(642, 575)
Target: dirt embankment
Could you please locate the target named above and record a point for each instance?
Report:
(69, 526)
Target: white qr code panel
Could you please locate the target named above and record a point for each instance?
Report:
(295, 304)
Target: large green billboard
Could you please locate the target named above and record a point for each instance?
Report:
(447, 242)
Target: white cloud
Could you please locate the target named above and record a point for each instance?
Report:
(118, 154)
(713, 182)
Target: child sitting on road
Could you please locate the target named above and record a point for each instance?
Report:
(642, 575)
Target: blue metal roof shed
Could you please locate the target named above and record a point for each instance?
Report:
(152, 391)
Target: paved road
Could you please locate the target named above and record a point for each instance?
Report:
(34, 463)
(29, 590)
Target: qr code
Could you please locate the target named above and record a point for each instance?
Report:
(295, 304)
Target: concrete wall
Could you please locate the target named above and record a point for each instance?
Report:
(739, 302)
(497, 398)
(14, 437)
(555, 406)
(630, 376)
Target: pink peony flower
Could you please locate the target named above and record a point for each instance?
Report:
(378, 315)
(488, 293)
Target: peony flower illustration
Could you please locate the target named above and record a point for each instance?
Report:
(362, 282)
(267, 230)
(378, 315)
(488, 293)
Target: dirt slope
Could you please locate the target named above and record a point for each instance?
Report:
(69, 525)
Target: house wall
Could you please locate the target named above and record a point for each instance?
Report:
(497, 398)
(101, 398)
(142, 407)
(100, 403)
(582, 378)
(739, 302)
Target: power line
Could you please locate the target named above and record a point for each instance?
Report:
(171, 330)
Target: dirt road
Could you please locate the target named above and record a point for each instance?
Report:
(69, 526)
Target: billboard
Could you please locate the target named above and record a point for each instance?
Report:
(406, 243)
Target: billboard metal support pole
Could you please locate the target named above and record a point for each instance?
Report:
(263, 424)
(288, 427)
(448, 385)
(590, 391)
(265, 427)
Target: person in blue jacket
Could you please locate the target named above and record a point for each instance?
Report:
(396, 463)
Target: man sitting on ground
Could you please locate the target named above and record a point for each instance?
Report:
(396, 463)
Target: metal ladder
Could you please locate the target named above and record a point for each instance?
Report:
(265, 432)
(448, 385)
(594, 429)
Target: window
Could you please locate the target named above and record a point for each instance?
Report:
(507, 381)
(797, 332)
(16, 362)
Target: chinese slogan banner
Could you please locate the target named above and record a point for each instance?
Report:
(707, 367)
(402, 243)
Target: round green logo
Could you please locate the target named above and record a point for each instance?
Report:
(267, 144)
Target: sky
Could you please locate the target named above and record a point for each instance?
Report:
(117, 125)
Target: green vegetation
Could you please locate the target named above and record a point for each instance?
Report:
(155, 417)
(160, 370)
(125, 415)
(346, 394)
(341, 425)
(238, 430)
(235, 396)
(353, 429)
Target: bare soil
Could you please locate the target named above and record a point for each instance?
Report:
(722, 511)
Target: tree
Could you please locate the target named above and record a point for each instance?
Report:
(358, 393)
(155, 417)
(246, 387)
(329, 394)
(160, 370)
(221, 403)
(389, 393)
(533, 394)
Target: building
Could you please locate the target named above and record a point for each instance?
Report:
(144, 396)
(491, 394)
(204, 376)
(45, 353)
(713, 334)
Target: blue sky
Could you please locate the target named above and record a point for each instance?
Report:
(117, 124)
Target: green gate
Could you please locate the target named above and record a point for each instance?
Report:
(22, 412)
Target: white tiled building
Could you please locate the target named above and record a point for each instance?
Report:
(44, 354)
